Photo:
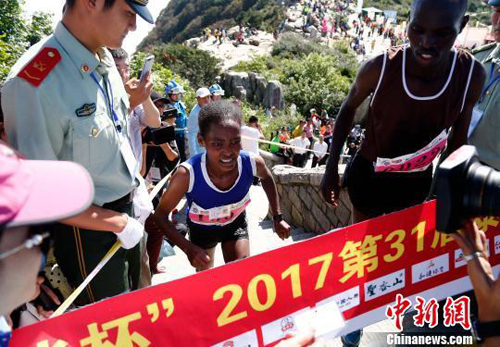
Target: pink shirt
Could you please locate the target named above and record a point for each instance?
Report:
(309, 130)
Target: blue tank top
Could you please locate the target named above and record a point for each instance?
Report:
(210, 207)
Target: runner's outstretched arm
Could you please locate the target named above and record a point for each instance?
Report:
(365, 84)
(177, 188)
(280, 227)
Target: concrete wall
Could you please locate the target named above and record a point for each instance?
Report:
(301, 201)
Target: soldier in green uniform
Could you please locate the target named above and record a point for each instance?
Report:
(64, 100)
(484, 131)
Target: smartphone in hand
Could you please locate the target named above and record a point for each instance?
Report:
(148, 65)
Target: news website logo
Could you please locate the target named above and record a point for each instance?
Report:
(455, 312)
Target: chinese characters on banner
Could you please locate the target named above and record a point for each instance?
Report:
(456, 311)
(357, 271)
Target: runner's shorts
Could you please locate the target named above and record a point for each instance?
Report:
(375, 194)
(207, 239)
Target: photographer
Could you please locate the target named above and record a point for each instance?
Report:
(472, 241)
(467, 189)
(163, 152)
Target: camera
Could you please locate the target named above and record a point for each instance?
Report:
(160, 135)
(170, 112)
(465, 189)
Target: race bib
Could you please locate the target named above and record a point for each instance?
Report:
(414, 162)
(220, 215)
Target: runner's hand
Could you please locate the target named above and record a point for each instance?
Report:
(486, 289)
(330, 188)
(282, 229)
(131, 234)
(198, 257)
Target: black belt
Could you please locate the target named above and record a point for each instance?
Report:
(124, 200)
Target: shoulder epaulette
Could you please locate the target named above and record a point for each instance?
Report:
(484, 48)
(40, 66)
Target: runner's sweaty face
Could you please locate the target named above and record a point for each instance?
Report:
(223, 145)
(432, 31)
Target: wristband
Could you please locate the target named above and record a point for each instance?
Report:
(278, 218)
(487, 329)
(472, 256)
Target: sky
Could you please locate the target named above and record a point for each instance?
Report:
(133, 38)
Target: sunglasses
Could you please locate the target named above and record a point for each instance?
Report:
(39, 236)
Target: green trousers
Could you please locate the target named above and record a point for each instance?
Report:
(78, 251)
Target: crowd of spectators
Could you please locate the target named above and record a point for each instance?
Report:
(156, 127)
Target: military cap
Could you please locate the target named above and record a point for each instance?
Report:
(140, 7)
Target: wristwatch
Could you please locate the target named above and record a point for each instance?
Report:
(278, 218)
(485, 330)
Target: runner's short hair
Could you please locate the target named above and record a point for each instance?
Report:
(460, 6)
(218, 113)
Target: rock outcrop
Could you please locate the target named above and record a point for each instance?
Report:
(253, 88)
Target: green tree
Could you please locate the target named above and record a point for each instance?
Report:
(197, 66)
(316, 81)
(18, 33)
(161, 76)
(12, 27)
(39, 27)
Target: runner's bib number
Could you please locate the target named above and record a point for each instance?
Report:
(220, 215)
(414, 162)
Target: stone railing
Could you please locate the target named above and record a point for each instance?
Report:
(301, 201)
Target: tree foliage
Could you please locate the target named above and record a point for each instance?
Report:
(12, 27)
(162, 75)
(195, 65)
(39, 27)
(17, 33)
(313, 75)
(317, 81)
(264, 65)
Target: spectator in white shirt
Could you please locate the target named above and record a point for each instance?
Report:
(250, 134)
(299, 153)
(320, 150)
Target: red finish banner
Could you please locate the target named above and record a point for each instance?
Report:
(256, 301)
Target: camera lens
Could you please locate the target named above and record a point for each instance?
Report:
(482, 191)
(466, 189)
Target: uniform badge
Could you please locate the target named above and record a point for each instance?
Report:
(86, 110)
(40, 66)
